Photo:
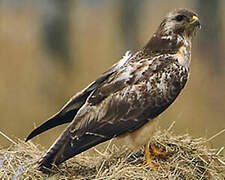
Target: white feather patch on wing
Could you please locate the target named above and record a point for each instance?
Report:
(162, 85)
(124, 60)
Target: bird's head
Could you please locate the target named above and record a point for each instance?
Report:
(181, 22)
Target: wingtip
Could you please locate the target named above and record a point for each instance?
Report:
(31, 135)
(28, 138)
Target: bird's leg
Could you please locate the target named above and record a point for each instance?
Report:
(156, 151)
(149, 159)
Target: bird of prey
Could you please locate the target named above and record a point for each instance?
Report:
(124, 100)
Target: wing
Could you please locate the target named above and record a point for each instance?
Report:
(69, 110)
(123, 103)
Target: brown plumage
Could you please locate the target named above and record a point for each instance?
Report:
(124, 101)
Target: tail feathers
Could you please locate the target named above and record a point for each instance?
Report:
(55, 151)
(65, 148)
(54, 121)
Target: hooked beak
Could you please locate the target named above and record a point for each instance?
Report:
(195, 21)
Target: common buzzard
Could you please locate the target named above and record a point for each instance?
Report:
(124, 100)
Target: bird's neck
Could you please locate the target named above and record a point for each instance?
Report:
(169, 44)
(184, 53)
(163, 44)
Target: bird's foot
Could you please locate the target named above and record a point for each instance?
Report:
(159, 151)
(155, 151)
(148, 159)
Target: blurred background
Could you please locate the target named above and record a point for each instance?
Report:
(50, 50)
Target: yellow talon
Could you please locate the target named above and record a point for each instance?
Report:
(149, 159)
(159, 152)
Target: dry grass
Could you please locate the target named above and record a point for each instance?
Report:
(192, 158)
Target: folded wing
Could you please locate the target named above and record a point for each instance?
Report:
(68, 112)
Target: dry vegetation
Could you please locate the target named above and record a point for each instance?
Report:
(33, 86)
(192, 158)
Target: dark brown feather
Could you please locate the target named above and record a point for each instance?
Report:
(157, 45)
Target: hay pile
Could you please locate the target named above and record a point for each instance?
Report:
(190, 159)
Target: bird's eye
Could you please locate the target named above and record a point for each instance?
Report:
(179, 18)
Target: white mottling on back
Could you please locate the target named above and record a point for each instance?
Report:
(167, 37)
(148, 86)
(139, 74)
(124, 60)
(126, 74)
(163, 84)
(125, 71)
(164, 56)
